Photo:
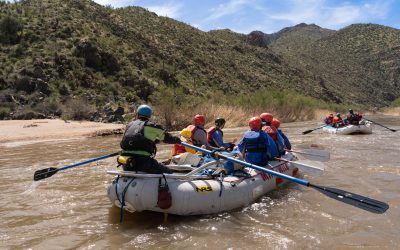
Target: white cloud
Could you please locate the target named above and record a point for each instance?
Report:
(325, 15)
(171, 10)
(230, 8)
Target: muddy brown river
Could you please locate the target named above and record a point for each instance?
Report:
(71, 210)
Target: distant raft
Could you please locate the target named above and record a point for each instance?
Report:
(194, 193)
(365, 128)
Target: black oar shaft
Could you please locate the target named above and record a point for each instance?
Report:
(47, 172)
(393, 130)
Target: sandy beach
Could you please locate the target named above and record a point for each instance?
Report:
(47, 129)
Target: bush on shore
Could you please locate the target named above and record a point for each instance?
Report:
(77, 109)
(175, 110)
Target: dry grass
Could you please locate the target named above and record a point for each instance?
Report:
(392, 111)
(320, 114)
(234, 116)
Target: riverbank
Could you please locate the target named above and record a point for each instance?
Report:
(47, 129)
(394, 111)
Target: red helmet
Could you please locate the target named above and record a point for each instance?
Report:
(330, 115)
(199, 120)
(276, 123)
(255, 123)
(267, 117)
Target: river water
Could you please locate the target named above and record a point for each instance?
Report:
(70, 210)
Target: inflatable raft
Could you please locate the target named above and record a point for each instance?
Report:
(196, 192)
(349, 129)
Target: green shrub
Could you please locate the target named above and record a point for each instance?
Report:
(77, 109)
(396, 103)
(50, 106)
(4, 112)
(168, 104)
(10, 30)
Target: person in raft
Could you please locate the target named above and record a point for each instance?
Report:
(268, 128)
(194, 134)
(257, 147)
(276, 123)
(215, 136)
(354, 118)
(139, 143)
(329, 119)
(338, 121)
(199, 134)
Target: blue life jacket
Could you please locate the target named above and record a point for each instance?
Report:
(258, 147)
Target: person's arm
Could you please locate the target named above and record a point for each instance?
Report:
(218, 140)
(240, 146)
(156, 133)
(288, 145)
(272, 148)
(170, 139)
(153, 132)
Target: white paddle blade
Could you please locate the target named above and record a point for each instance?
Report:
(314, 154)
(308, 168)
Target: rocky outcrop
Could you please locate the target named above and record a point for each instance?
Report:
(257, 38)
(96, 58)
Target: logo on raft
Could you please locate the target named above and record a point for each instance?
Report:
(204, 189)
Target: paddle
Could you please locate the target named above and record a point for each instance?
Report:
(303, 166)
(311, 130)
(313, 154)
(47, 172)
(356, 200)
(393, 130)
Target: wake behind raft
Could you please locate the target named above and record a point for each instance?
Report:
(199, 192)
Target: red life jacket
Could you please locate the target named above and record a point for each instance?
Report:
(177, 149)
(271, 131)
(210, 132)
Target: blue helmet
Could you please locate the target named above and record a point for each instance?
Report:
(338, 114)
(144, 111)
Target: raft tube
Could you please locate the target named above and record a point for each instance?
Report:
(196, 196)
(349, 129)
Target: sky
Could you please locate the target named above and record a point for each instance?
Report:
(268, 16)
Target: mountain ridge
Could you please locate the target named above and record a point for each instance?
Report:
(72, 50)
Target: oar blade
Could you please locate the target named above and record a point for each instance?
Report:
(356, 200)
(314, 154)
(308, 131)
(310, 168)
(44, 173)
